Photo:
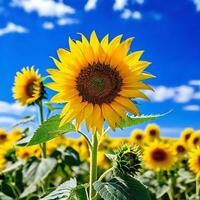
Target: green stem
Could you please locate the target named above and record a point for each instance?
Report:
(87, 139)
(105, 174)
(43, 145)
(197, 187)
(171, 190)
(93, 166)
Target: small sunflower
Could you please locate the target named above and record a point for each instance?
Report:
(186, 134)
(159, 156)
(180, 148)
(3, 136)
(194, 140)
(28, 86)
(137, 136)
(152, 132)
(194, 161)
(98, 81)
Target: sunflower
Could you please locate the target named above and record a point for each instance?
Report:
(159, 156)
(28, 86)
(194, 140)
(137, 136)
(194, 161)
(180, 147)
(98, 81)
(3, 136)
(186, 134)
(152, 132)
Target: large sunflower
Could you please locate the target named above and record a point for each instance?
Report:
(159, 156)
(194, 161)
(98, 80)
(27, 87)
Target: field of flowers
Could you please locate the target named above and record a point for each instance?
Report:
(97, 83)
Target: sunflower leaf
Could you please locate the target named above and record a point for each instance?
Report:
(124, 188)
(49, 130)
(135, 120)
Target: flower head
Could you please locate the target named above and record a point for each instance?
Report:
(159, 156)
(152, 132)
(186, 134)
(137, 136)
(28, 86)
(98, 80)
(194, 161)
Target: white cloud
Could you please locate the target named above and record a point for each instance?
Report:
(90, 5)
(139, 2)
(127, 14)
(67, 21)
(48, 25)
(12, 28)
(195, 82)
(180, 94)
(7, 121)
(44, 8)
(15, 109)
(192, 108)
(197, 4)
(120, 4)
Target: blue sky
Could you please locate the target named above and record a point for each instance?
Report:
(168, 31)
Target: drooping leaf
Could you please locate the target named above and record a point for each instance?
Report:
(135, 120)
(25, 120)
(5, 197)
(24, 141)
(124, 188)
(13, 167)
(41, 171)
(71, 157)
(62, 191)
(50, 129)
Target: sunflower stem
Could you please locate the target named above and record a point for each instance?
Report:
(93, 166)
(197, 187)
(43, 145)
(87, 139)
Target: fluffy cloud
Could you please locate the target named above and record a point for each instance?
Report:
(90, 5)
(127, 14)
(14, 109)
(67, 21)
(194, 82)
(192, 108)
(48, 25)
(44, 8)
(181, 94)
(12, 28)
(120, 4)
(197, 4)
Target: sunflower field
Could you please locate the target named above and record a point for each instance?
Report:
(96, 85)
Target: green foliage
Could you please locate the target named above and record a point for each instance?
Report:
(135, 120)
(25, 120)
(49, 130)
(123, 188)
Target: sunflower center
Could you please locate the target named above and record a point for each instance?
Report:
(159, 155)
(187, 136)
(180, 149)
(195, 141)
(3, 137)
(153, 132)
(138, 137)
(30, 89)
(98, 83)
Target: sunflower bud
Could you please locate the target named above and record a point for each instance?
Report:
(128, 160)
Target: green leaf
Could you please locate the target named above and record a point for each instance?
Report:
(13, 167)
(25, 120)
(50, 129)
(42, 170)
(62, 191)
(24, 141)
(125, 188)
(135, 120)
(51, 107)
(79, 192)
(71, 157)
(111, 157)
(5, 197)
